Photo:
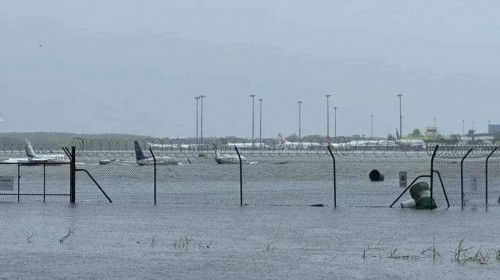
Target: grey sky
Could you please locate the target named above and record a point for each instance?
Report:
(135, 66)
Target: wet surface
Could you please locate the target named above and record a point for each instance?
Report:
(141, 241)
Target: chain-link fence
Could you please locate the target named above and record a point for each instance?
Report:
(34, 182)
(270, 174)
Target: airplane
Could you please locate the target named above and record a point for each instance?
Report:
(16, 160)
(411, 144)
(247, 145)
(172, 146)
(371, 144)
(284, 144)
(114, 161)
(228, 159)
(33, 157)
(51, 158)
(335, 145)
(141, 159)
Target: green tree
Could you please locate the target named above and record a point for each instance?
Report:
(292, 138)
(416, 133)
(455, 138)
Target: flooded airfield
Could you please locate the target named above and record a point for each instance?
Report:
(198, 230)
(138, 241)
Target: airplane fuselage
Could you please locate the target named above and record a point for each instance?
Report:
(159, 161)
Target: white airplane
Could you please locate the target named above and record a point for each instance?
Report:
(33, 157)
(50, 158)
(247, 145)
(371, 143)
(141, 159)
(335, 145)
(411, 144)
(228, 159)
(114, 161)
(172, 146)
(284, 144)
(16, 160)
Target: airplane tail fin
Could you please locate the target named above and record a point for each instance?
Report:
(281, 140)
(30, 152)
(139, 155)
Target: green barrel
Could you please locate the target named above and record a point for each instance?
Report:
(421, 193)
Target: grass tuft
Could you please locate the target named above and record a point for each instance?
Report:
(70, 231)
(432, 250)
(30, 237)
(183, 243)
(373, 251)
(269, 248)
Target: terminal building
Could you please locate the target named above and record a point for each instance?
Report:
(493, 128)
(431, 131)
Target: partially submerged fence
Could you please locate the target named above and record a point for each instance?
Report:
(34, 181)
(265, 176)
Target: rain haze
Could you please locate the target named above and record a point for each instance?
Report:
(136, 66)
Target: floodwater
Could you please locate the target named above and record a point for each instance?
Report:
(143, 241)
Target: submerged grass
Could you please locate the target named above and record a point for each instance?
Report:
(432, 250)
(269, 248)
(370, 251)
(30, 237)
(70, 231)
(185, 243)
(394, 255)
(462, 253)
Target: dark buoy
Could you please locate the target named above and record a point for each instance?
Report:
(375, 176)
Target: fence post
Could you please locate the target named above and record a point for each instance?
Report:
(154, 180)
(462, 175)
(72, 176)
(486, 173)
(334, 178)
(241, 176)
(44, 187)
(18, 181)
(432, 171)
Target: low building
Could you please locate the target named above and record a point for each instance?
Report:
(431, 132)
(493, 128)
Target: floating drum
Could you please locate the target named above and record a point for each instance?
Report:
(375, 176)
(421, 193)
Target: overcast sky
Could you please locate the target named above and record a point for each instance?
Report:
(135, 67)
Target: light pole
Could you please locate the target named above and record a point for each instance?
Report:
(260, 123)
(335, 122)
(400, 118)
(197, 117)
(328, 116)
(201, 120)
(463, 127)
(300, 133)
(253, 141)
(371, 122)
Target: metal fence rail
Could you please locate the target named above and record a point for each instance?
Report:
(36, 182)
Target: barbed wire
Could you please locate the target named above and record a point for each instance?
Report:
(190, 148)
